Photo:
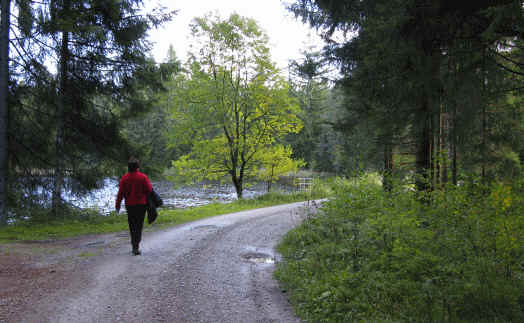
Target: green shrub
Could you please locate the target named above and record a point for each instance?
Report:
(371, 255)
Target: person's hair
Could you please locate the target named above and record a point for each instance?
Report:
(133, 164)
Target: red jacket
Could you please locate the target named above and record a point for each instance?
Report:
(134, 187)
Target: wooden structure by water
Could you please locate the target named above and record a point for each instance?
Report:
(304, 184)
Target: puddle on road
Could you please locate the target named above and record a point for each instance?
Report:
(205, 227)
(259, 258)
(93, 244)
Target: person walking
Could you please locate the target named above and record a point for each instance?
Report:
(134, 188)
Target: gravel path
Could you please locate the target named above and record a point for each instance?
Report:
(214, 270)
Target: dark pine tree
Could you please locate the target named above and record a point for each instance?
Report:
(394, 63)
(80, 68)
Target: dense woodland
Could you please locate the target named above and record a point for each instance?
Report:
(425, 91)
(440, 84)
(433, 92)
(72, 73)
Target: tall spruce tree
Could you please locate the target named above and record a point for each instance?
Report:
(309, 85)
(394, 61)
(71, 112)
(5, 6)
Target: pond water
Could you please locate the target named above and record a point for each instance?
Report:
(103, 199)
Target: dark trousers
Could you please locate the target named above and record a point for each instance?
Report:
(135, 218)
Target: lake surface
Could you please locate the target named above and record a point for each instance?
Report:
(103, 199)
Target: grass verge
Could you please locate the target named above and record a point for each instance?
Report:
(81, 224)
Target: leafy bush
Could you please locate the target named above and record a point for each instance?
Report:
(371, 255)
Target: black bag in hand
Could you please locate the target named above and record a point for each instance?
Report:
(153, 201)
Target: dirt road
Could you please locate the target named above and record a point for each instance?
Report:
(215, 270)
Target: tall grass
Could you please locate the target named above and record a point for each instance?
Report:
(376, 256)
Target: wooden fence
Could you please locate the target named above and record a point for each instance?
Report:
(304, 183)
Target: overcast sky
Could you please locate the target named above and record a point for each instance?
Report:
(287, 35)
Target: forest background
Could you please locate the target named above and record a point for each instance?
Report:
(81, 94)
(435, 90)
(432, 95)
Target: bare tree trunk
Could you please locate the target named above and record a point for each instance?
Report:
(484, 148)
(444, 147)
(62, 102)
(453, 125)
(437, 158)
(484, 145)
(270, 181)
(423, 154)
(4, 79)
(387, 182)
(425, 166)
(433, 153)
(237, 182)
(454, 179)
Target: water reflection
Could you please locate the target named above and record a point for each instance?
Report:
(259, 258)
(103, 199)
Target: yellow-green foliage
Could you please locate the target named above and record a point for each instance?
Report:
(231, 103)
(379, 256)
(276, 161)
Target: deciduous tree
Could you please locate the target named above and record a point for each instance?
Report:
(232, 104)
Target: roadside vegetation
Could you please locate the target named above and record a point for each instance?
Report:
(81, 222)
(456, 255)
(431, 94)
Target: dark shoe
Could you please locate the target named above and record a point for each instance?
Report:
(136, 252)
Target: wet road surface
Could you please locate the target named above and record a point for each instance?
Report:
(214, 270)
